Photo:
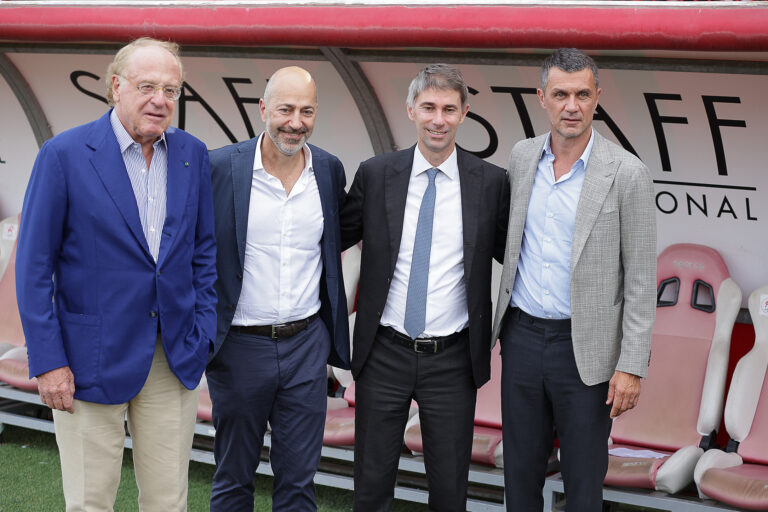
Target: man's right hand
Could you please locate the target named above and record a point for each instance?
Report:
(57, 388)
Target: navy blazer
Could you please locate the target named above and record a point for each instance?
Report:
(80, 224)
(232, 172)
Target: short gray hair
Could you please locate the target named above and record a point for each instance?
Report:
(118, 65)
(438, 76)
(569, 60)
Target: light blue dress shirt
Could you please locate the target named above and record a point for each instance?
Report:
(149, 185)
(543, 281)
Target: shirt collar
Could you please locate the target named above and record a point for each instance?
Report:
(124, 139)
(258, 165)
(450, 167)
(584, 158)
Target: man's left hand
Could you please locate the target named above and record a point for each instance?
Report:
(623, 392)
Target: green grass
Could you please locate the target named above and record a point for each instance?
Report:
(30, 480)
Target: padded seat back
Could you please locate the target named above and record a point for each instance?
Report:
(488, 406)
(349, 394)
(682, 398)
(350, 269)
(746, 410)
(10, 321)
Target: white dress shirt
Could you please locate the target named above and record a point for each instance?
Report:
(446, 291)
(281, 280)
(543, 281)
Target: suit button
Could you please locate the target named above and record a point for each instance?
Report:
(240, 277)
(231, 307)
(378, 313)
(506, 290)
(159, 272)
(153, 314)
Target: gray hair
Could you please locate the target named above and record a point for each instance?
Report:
(438, 76)
(118, 65)
(569, 60)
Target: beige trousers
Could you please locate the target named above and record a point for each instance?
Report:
(161, 421)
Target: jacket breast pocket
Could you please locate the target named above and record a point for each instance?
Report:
(606, 226)
(82, 344)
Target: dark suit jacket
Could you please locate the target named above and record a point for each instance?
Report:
(81, 225)
(232, 172)
(374, 214)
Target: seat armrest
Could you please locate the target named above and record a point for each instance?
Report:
(714, 459)
(677, 470)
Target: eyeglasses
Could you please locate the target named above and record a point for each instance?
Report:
(148, 89)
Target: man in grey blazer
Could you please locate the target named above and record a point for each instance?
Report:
(577, 294)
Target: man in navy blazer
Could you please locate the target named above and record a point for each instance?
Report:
(115, 271)
(282, 311)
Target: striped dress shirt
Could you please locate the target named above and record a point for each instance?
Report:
(148, 185)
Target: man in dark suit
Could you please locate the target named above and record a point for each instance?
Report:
(282, 312)
(431, 218)
(119, 212)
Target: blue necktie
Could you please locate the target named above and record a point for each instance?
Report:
(416, 300)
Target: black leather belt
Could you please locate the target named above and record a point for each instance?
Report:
(277, 331)
(422, 345)
(562, 324)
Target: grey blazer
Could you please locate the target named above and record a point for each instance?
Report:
(613, 258)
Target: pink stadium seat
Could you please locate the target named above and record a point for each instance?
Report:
(681, 401)
(11, 332)
(350, 269)
(204, 405)
(340, 416)
(487, 446)
(14, 368)
(739, 476)
(340, 421)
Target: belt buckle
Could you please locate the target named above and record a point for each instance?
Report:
(424, 341)
(275, 327)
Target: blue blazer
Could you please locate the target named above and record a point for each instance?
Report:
(232, 172)
(80, 224)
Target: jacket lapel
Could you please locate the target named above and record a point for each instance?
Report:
(110, 168)
(600, 172)
(176, 190)
(323, 179)
(522, 178)
(242, 174)
(471, 183)
(396, 177)
(325, 189)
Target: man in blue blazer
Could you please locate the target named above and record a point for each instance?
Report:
(115, 271)
(282, 312)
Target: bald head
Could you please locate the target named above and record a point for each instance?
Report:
(288, 109)
(292, 79)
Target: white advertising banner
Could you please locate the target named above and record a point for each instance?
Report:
(220, 104)
(702, 135)
(17, 152)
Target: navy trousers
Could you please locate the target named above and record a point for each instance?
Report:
(252, 380)
(541, 391)
(443, 387)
